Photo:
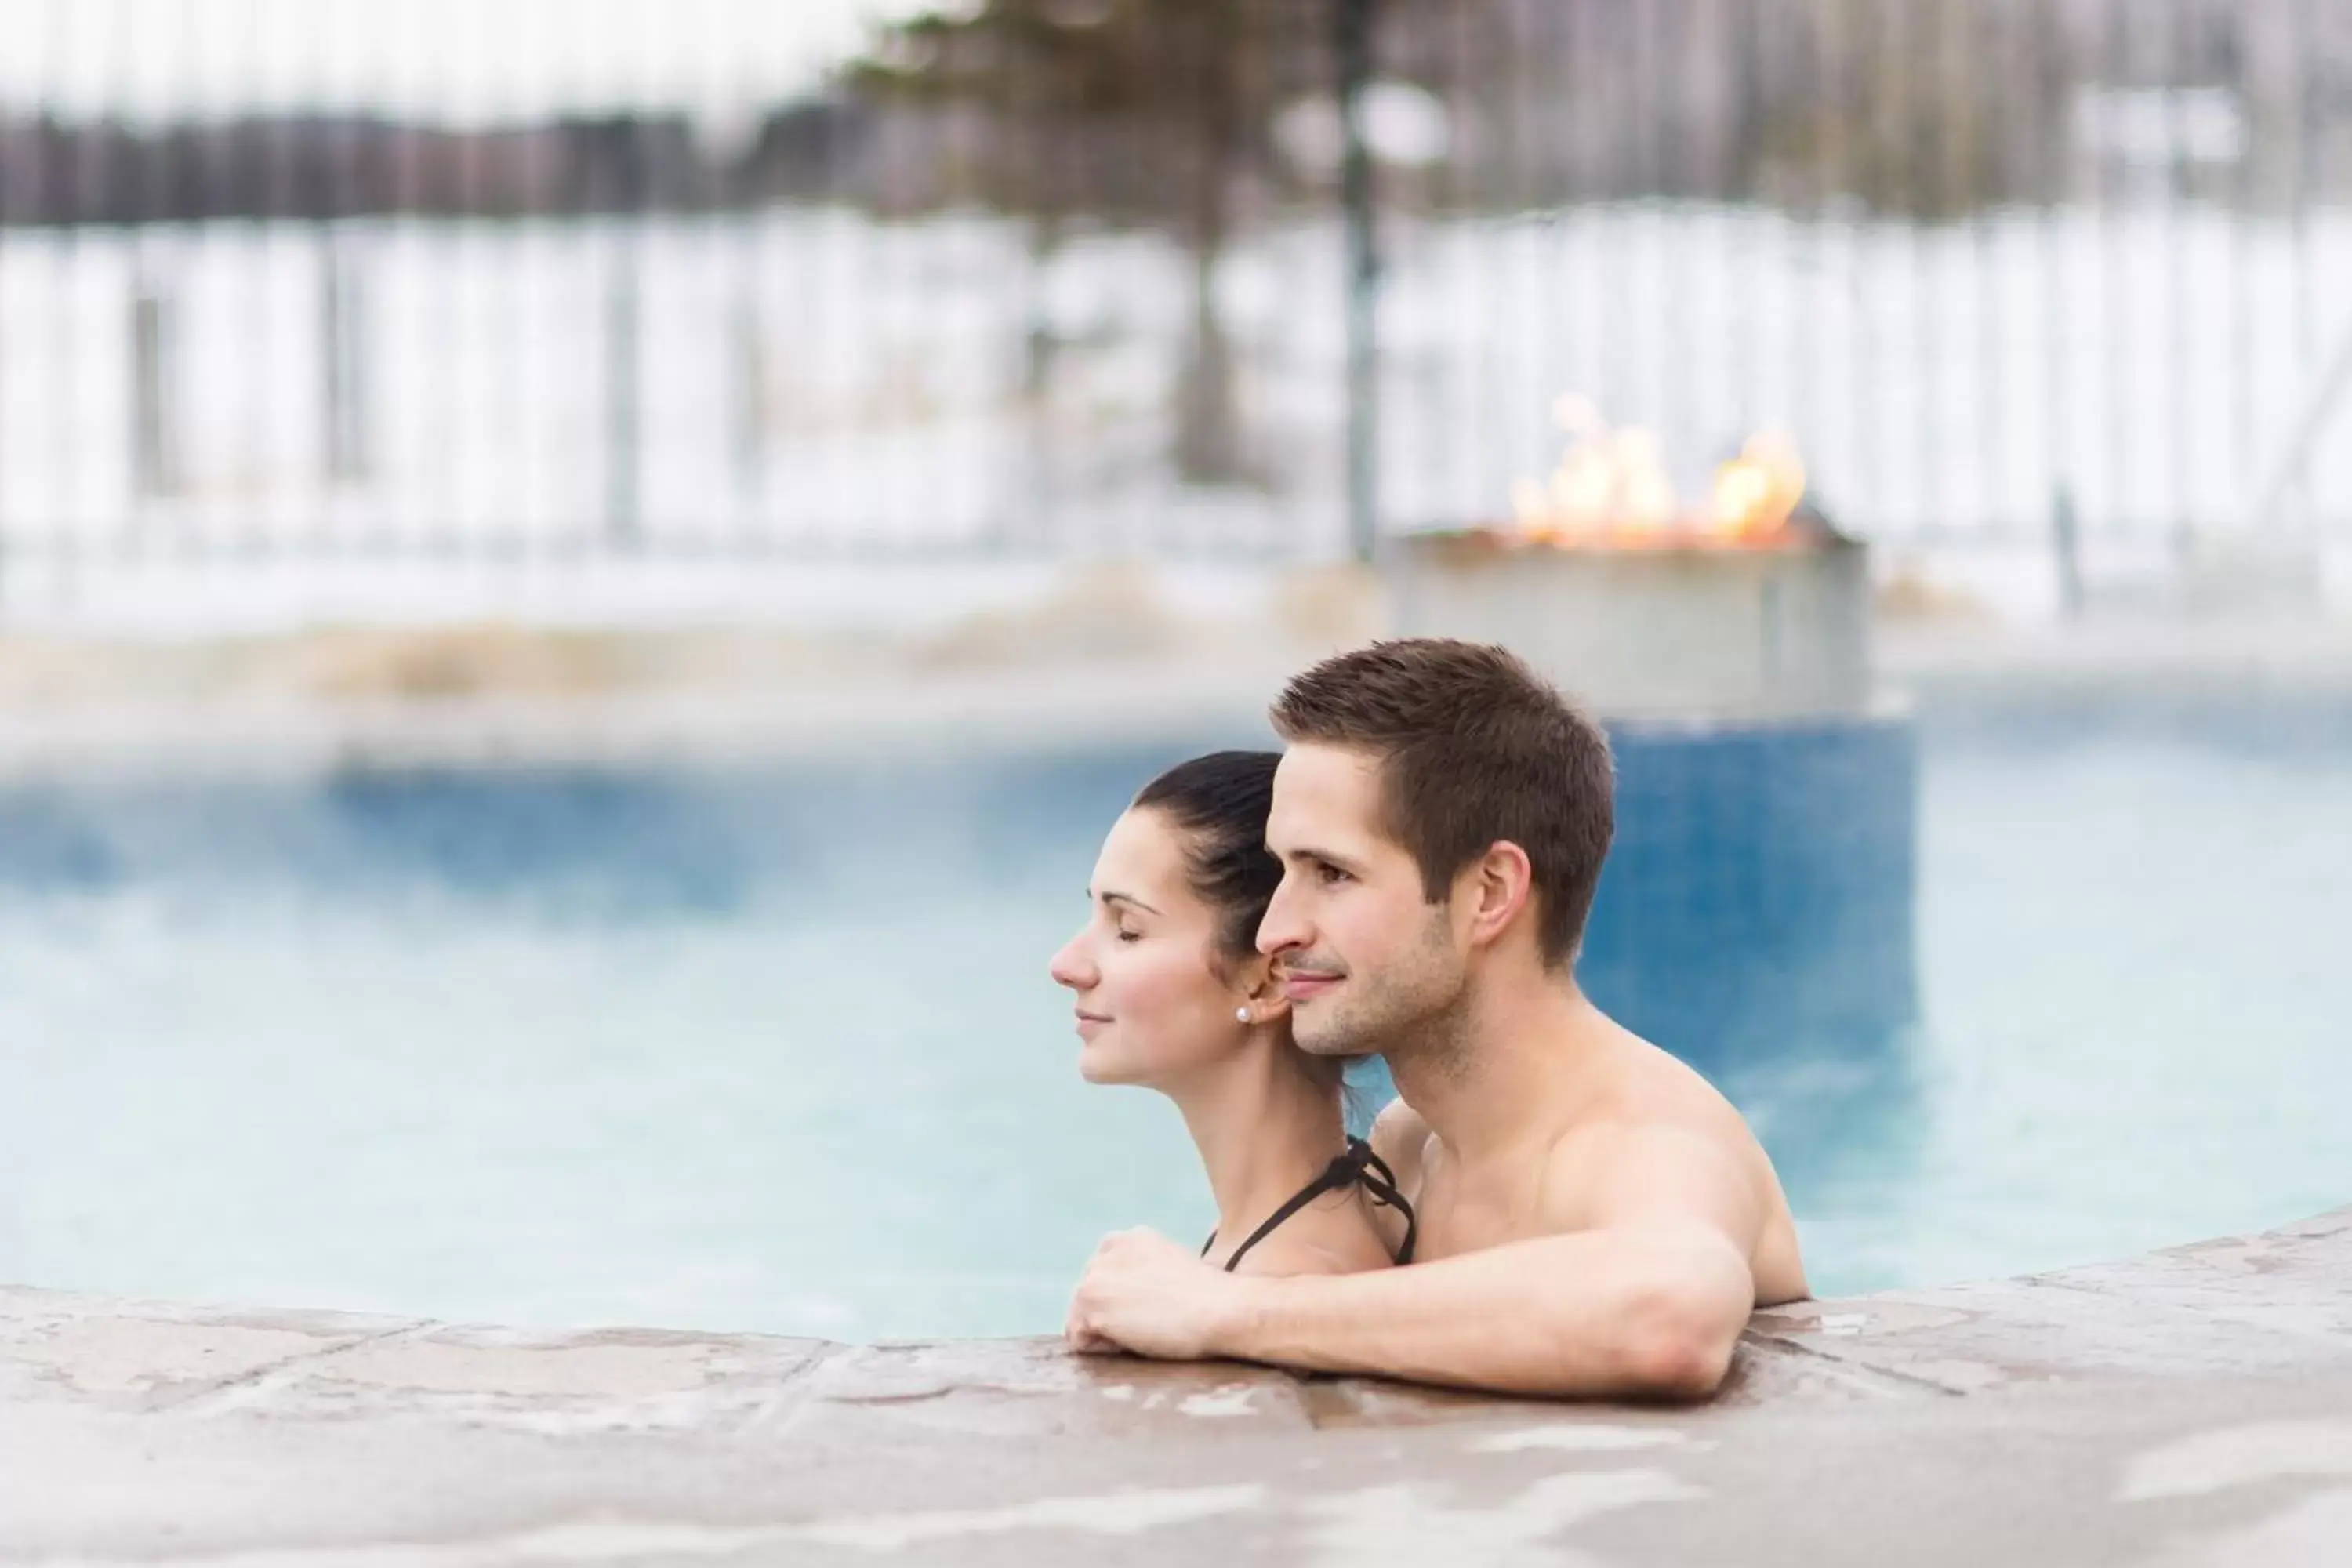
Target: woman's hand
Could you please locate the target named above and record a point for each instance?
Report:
(1145, 1294)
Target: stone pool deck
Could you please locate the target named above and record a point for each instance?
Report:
(2191, 1406)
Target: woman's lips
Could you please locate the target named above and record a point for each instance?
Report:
(1091, 1024)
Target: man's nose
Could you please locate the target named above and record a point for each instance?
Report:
(1283, 929)
(1071, 967)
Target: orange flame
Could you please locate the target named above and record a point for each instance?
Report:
(1611, 490)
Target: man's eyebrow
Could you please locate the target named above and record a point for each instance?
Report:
(1330, 858)
(1128, 898)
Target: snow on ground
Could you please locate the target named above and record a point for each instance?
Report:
(842, 390)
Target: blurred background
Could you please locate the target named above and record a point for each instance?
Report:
(579, 583)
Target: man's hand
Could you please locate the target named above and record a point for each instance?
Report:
(1143, 1292)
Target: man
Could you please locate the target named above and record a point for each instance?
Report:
(1595, 1218)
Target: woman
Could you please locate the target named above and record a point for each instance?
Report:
(1172, 993)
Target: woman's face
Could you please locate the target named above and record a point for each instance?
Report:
(1149, 1006)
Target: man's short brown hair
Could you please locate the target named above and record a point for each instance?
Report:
(1473, 748)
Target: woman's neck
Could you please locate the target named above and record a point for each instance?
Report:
(1265, 1128)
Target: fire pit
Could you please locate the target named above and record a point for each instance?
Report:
(1760, 891)
(1749, 605)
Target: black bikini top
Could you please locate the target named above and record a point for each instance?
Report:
(1358, 1164)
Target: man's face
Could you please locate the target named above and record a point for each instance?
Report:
(1367, 960)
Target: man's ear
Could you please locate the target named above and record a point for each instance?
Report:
(1259, 984)
(1494, 889)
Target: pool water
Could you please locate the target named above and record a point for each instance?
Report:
(777, 1051)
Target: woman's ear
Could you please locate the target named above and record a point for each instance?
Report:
(1259, 987)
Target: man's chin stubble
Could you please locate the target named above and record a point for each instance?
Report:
(1436, 1043)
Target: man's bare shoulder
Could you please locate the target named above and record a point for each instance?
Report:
(1652, 1091)
(1663, 1139)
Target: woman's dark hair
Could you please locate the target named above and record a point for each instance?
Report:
(1219, 803)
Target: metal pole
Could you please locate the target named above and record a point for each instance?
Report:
(342, 345)
(623, 343)
(621, 328)
(2066, 545)
(151, 361)
(2289, 467)
(1354, 53)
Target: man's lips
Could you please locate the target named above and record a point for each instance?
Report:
(1305, 987)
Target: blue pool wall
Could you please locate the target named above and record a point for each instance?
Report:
(1764, 877)
(1760, 895)
(1758, 904)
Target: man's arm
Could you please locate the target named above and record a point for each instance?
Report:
(1649, 1301)
(1600, 1312)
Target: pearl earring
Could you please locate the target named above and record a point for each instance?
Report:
(1241, 1015)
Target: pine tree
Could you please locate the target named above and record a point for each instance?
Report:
(1154, 114)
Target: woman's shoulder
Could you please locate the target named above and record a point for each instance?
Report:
(1336, 1240)
(1401, 1137)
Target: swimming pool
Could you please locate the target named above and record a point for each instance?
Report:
(776, 1050)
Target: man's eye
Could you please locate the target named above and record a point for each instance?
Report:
(1329, 875)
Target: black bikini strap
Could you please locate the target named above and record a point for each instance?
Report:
(1360, 1163)
(1381, 1183)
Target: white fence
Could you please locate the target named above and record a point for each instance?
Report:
(814, 383)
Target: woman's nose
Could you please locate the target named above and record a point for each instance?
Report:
(1070, 967)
